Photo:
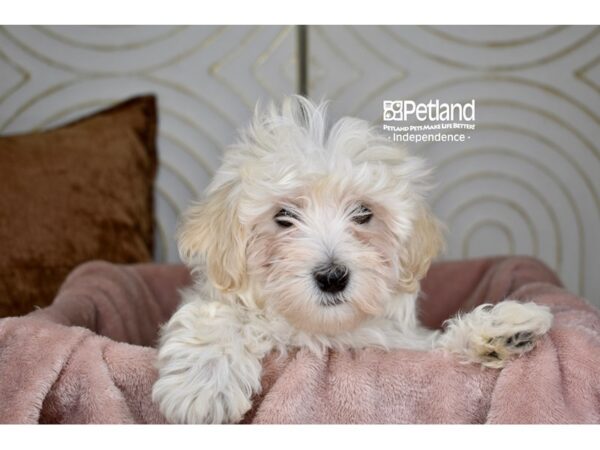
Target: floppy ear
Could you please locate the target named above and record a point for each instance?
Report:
(421, 248)
(211, 233)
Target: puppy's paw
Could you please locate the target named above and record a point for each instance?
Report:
(491, 335)
(205, 386)
(183, 403)
(208, 370)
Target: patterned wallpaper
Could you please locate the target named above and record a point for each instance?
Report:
(527, 182)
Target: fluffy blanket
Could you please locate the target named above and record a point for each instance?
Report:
(88, 358)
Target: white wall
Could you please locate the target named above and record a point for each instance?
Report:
(527, 182)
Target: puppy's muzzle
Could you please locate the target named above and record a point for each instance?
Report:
(332, 278)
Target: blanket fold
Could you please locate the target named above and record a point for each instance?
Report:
(88, 358)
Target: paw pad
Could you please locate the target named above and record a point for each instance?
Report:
(520, 340)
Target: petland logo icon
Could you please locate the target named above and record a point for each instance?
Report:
(432, 111)
(431, 121)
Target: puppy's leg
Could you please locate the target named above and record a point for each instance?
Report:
(209, 365)
(493, 334)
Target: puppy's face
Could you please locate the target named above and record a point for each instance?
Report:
(325, 256)
(324, 230)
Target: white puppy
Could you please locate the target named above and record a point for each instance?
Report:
(317, 239)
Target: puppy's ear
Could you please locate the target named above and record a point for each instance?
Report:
(421, 248)
(212, 233)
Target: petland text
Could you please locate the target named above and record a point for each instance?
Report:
(432, 111)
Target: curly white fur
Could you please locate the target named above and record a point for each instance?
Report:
(289, 199)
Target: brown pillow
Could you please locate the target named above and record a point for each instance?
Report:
(79, 192)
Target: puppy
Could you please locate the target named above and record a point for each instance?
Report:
(314, 238)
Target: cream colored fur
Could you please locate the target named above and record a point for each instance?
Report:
(254, 290)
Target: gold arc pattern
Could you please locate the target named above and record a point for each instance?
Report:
(473, 229)
(538, 165)
(48, 31)
(494, 68)
(275, 48)
(551, 31)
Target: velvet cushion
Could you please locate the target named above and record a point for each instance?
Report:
(79, 192)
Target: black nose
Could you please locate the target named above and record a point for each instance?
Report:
(332, 278)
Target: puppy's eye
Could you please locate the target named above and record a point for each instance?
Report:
(282, 218)
(362, 215)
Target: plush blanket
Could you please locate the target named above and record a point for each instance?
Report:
(88, 358)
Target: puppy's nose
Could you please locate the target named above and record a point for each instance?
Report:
(332, 278)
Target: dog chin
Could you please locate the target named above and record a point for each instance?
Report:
(329, 316)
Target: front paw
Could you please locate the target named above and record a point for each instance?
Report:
(202, 384)
(185, 400)
(206, 371)
(493, 335)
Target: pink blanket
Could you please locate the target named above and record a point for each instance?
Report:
(88, 358)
